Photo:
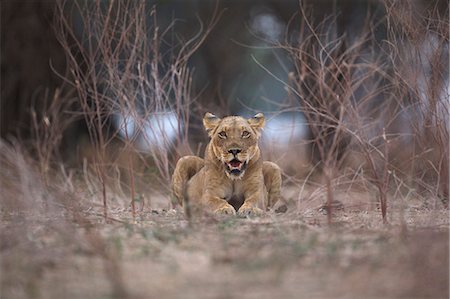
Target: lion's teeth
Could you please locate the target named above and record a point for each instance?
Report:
(235, 167)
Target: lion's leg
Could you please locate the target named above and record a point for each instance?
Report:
(185, 169)
(217, 204)
(272, 181)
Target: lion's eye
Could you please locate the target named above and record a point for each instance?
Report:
(245, 134)
(222, 135)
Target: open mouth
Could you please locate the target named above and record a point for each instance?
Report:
(235, 166)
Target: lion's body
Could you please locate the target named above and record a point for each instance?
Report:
(232, 176)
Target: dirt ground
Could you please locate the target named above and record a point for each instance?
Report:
(290, 255)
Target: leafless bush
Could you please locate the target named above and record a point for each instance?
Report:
(419, 44)
(132, 80)
(48, 128)
(356, 92)
(329, 72)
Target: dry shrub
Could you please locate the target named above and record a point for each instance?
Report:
(372, 105)
(50, 125)
(418, 41)
(133, 84)
(331, 71)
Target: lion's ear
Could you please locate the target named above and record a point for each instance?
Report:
(257, 122)
(210, 122)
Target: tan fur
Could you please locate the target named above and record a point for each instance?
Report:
(216, 183)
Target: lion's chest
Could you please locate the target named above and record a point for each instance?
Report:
(234, 193)
(234, 189)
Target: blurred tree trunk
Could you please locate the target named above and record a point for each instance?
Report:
(28, 50)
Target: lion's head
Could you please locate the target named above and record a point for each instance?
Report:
(234, 140)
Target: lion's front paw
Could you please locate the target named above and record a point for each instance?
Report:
(247, 210)
(226, 209)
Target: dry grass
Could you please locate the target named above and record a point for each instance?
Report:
(56, 244)
(293, 255)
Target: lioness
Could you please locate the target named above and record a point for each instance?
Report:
(232, 176)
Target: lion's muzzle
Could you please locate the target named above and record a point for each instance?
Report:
(236, 167)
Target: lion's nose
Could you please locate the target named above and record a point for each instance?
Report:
(234, 151)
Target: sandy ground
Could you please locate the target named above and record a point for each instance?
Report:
(291, 255)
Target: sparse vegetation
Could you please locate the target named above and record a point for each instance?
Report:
(105, 226)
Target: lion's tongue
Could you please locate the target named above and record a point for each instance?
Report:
(235, 163)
